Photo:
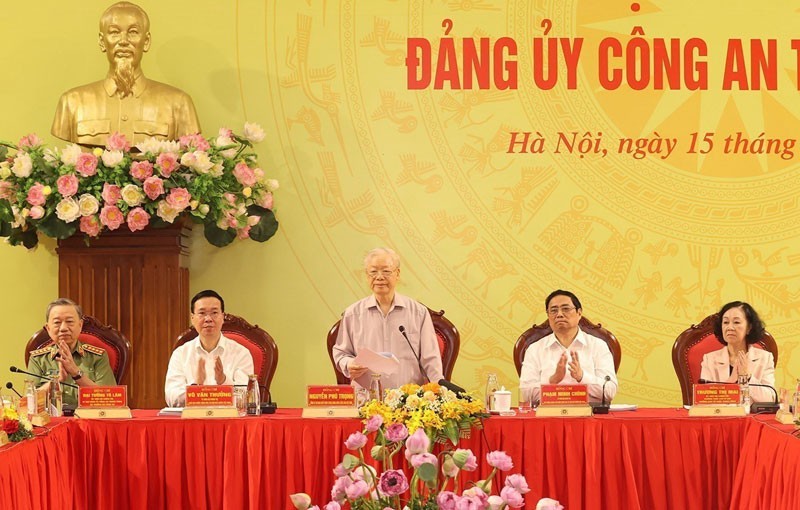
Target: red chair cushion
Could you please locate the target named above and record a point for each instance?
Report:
(442, 344)
(255, 350)
(113, 355)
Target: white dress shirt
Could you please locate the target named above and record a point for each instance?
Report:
(363, 325)
(595, 358)
(237, 363)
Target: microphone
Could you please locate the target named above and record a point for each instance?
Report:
(755, 407)
(20, 371)
(455, 388)
(419, 362)
(602, 408)
(11, 387)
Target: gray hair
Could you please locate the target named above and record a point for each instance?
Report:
(63, 302)
(382, 251)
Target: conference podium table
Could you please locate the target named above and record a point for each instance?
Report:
(647, 459)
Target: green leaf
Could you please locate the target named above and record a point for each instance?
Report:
(427, 472)
(3, 151)
(451, 431)
(5, 229)
(266, 226)
(350, 461)
(6, 214)
(217, 236)
(52, 226)
(28, 238)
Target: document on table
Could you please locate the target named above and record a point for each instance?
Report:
(171, 411)
(376, 362)
(623, 407)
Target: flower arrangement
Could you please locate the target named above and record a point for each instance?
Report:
(15, 426)
(214, 181)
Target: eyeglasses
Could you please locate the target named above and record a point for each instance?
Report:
(565, 310)
(386, 273)
(211, 315)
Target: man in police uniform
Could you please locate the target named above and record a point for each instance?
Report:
(74, 361)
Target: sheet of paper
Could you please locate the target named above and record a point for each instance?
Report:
(377, 362)
(171, 411)
(623, 407)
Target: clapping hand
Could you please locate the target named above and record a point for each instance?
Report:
(219, 374)
(561, 370)
(66, 363)
(200, 375)
(575, 369)
(742, 364)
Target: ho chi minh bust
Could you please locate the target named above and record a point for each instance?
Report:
(125, 101)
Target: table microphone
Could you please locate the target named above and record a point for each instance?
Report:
(602, 408)
(755, 407)
(19, 371)
(11, 387)
(419, 362)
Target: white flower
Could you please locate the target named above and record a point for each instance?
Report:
(197, 161)
(51, 155)
(88, 204)
(5, 170)
(223, 140)
(253, 132)
(166, 213)
(203, 209)
(151, 145)
(169, 146)
(19, 218)
(69, 156)
(217, 170)
(112, 158)
(22, 165)
(132, 195)
(68, 210)
(272, 184)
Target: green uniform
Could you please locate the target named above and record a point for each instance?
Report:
(92, 360)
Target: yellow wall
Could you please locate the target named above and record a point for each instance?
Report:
(649, 245)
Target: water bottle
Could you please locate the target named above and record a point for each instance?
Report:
(491, 387)
(376, 388)
(30, 396)
(56, 397)
(744, 389)
(253, 396)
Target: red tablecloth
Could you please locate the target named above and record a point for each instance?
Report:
(648, 459)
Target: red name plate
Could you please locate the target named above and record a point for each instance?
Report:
(716, 394)
(103, 396)
(564, 395)
(342, 395)
(209, 396)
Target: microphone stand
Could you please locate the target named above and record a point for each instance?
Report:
(20, 371)
(602, 408)
(755, 407)
(419, 361)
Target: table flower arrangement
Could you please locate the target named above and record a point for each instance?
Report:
(214, 181)
(15, 427)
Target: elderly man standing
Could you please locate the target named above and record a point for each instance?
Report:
(568, 355)
(125, 101)
(73, 361)
(211, 358)
(375, 321)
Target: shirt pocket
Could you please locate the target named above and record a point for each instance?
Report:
(144, 127)
(92, 128)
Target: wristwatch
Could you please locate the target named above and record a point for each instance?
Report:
(78, 375)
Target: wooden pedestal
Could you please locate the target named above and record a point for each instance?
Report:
(139, 283)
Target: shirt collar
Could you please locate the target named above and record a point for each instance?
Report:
(580, 338)
(139, 85)
(399, 301)
(221, 345)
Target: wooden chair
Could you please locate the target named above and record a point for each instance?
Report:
(260, 344)
(698, 340)
(537, 332)
(446, 334)
(93, 333)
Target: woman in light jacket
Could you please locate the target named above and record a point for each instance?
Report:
(739, 327)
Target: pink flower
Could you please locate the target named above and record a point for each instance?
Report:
(6, 190)
(340, 470)
(111, 193)
(499, 460)
(243, 233)
(229, 197)
(446, 500)
(141, 170)
(475, 497)
(518, 483)
(396, 432)
(465, 459)
(90, 225)
(357, 489)
(138, 219)
(67, 185)
(512, 498)
(111, 217)
(301, 500)
(355, 441)
(424, 458)
(86, 164)
(178, 198)
(418, 442)
(265, 200)
(37, 212)
(339, 487)
(333, 505)
(153, 187)
(549, 504)
(244, 174)
(374, 423)
(117, 142)
(196, 141)
(30, 140)
(36, 195)
(393, 482)
(167, 162)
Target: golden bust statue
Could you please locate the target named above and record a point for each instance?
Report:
(125, 101)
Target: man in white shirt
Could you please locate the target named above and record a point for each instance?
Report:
(211, 358)
(568, 355)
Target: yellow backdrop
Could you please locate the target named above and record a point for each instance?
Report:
(650, 244)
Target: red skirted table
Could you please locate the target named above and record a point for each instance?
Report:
(648, 459)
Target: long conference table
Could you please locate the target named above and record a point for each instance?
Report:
(647, 459)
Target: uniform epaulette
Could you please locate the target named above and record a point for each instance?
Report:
(43, 350)
(94, 349)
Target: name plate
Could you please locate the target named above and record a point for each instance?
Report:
(102, 397)
(564, 395)
(716, 394)
(209, 396)
(342, 395)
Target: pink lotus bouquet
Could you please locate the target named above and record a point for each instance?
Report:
(434, 482)
(214, 181)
